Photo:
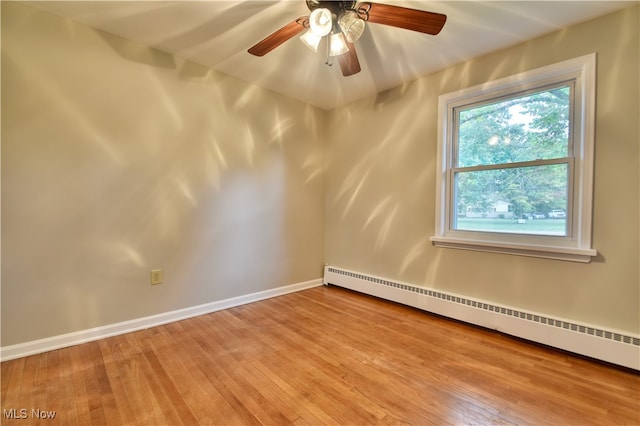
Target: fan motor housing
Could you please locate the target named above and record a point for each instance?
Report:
(336, 7)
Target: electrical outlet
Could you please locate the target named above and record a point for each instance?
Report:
(156, 276)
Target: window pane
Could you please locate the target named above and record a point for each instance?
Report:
(525, 128)
(522, 200)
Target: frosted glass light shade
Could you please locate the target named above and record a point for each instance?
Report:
(338, 45)
(321, 21)
(351, 25)
(311, 40)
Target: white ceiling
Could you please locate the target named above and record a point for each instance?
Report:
(218, 33)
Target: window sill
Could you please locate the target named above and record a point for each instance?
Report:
(547, 252)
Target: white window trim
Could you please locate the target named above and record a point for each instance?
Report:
(575, 247)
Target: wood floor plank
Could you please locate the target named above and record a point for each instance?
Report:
(10, 381)
(60, 389)
(319, 356)
(307, 411)
(202, 399)
(76, 370)
(212, 359)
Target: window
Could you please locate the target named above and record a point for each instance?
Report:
(515, 169)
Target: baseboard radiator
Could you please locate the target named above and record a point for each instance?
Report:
(589, 340)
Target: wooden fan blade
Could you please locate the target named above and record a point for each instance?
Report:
(402, 17)
(274, 40)
(349, 63)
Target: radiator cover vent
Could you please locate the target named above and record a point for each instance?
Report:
(537, 318)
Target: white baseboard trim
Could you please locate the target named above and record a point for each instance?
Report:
(70, 339)
(593, 341)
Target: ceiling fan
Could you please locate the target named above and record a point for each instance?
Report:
(341, 23)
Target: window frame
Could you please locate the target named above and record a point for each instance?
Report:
(576, 245)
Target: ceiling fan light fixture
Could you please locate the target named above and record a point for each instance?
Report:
(351, 25)
(337, 44)
(311, 40)
(321, 21)
(343, 22)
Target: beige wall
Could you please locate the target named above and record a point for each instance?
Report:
(117, 159)
(381, 186)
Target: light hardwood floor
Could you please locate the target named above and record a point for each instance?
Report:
(320, 356)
